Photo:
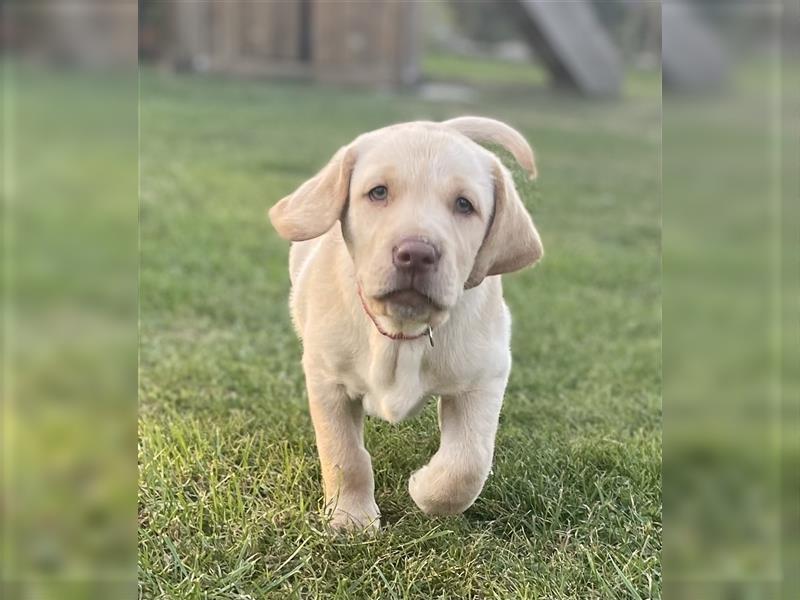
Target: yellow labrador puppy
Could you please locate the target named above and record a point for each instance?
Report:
(398, 244)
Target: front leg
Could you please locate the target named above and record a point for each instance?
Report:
(454, 477)
(346, 466)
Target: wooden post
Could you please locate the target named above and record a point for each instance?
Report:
(191, 26)
(365, 43)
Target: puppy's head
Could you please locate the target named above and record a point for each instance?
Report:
(426, 213)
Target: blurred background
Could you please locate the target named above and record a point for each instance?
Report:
(76, 73)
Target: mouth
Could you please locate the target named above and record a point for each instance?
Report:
(406, 308)
(410, 299)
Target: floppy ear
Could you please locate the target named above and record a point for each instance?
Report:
(511, 241)
(490, 131)
(316, 205)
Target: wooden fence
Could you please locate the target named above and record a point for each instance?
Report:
(333, 41)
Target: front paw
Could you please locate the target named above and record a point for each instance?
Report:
(445, 490)
(349, 515)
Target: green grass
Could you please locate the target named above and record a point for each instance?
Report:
(522, 77)
(482, 71)
(229, 482)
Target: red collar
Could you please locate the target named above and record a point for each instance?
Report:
(400, 337)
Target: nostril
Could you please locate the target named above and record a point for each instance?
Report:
(404, 257)
(428, 259)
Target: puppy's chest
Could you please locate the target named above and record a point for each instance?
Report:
(395, 380)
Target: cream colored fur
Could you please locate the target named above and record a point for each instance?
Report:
(342, 241)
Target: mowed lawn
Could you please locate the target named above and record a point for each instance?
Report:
(230, 493)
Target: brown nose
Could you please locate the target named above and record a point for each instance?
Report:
(414, 255)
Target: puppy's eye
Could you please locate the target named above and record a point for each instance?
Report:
(379, 193)
(464, 206)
